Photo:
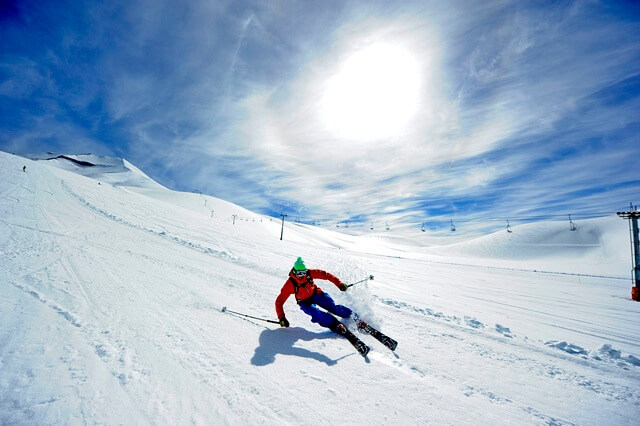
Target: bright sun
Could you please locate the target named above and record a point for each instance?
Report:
(374, 94)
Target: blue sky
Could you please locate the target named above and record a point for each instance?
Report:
(383, 112)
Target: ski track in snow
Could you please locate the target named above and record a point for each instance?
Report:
(504, 359)
(604, 353)
(536, 271)
(162, 233)
(464, 332)
(122, 361)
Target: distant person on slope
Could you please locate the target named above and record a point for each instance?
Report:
(309, 296)
(24, 168)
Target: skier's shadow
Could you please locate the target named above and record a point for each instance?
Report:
(282, 340)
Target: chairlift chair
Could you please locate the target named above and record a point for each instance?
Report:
(453, 227)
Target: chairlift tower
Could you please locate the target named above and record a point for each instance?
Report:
(282, 228)
(632, 215)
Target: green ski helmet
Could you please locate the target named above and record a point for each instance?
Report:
(299, 265)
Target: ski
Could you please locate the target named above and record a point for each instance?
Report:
(363, 327)
(358, 344)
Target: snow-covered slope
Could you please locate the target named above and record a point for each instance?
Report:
(597, 247)
(110, 312)
(547, 239)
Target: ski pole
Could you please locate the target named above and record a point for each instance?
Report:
(224, 309)
(370, 277)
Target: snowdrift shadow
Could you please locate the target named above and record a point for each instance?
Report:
(281, 341)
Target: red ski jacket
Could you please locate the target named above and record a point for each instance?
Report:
(303, 287)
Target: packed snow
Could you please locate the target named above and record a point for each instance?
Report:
(112, 289)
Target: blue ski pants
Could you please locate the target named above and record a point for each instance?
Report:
(324, 301)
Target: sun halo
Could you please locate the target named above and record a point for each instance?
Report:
(373, 95)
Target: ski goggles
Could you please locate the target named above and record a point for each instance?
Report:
(300, 273)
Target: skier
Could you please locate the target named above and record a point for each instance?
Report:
(24, 168)
(309, 296)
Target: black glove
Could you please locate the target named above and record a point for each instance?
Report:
(343, 287)
(284, 322)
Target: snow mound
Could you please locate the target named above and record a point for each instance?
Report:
(569, 348)
(606, 351)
